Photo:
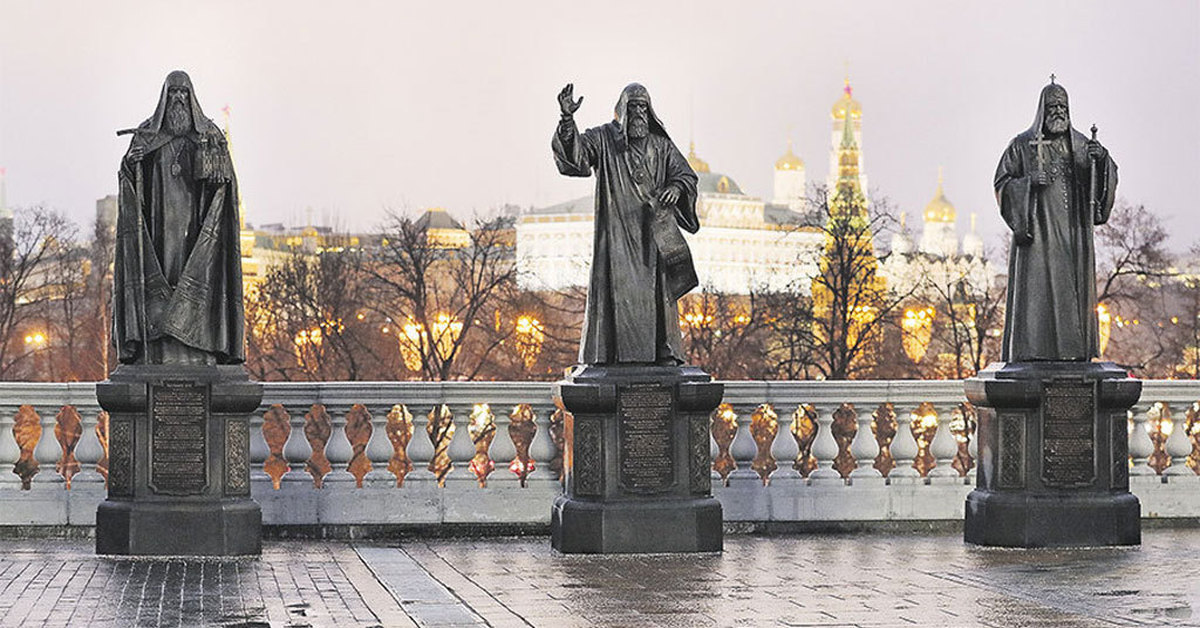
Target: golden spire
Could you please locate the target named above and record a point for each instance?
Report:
(847, 103)
(698, 165)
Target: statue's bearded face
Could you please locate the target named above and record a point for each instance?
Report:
(1057, 120)
(639, 118)
(179, 111)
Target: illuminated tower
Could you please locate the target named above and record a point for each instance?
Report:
(250, 265)
(789, 180)
(846, 111)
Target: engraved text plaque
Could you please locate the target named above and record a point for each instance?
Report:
(646, 451)
(1068, 435)
(178, 438)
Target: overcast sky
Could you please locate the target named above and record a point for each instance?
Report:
(351, 108)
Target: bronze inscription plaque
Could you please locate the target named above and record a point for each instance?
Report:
(178, 438)
(646, 440)
(1068, 435)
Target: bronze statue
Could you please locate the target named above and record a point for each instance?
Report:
(177, 293)
(1053, 185)
(645, 192)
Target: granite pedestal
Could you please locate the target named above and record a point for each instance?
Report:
(179, 462)
(637, 462)
(1053, 456)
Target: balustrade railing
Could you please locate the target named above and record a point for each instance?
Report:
(395, 452)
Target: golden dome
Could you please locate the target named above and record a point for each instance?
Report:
(940, 209)
(846, 103)
(789, 161)
(698, 165)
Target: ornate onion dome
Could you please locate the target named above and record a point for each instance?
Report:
(940, 209)
(847, 103)
(698, 165)
(789, 161)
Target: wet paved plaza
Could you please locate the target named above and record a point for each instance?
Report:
(798, 580)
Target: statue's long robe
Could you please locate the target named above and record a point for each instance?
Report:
(1051, 312)
(631, 315)
(177, 270)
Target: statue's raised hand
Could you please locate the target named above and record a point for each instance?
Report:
(566, 100)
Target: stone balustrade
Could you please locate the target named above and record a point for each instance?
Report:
(427, 453)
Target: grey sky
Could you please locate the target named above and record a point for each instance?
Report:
(353, 107)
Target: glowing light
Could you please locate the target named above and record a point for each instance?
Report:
(530, 336)
(1104, 320)
(917, 327)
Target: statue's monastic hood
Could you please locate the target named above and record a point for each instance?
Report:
(1039, 118)
(635, 91)
(178, 78)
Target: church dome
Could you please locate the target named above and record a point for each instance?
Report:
(847, 104)
(717, 183)
(789, 160)
(940, 209)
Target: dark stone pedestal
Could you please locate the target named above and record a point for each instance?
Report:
(179, 462)
(637, 462)
(1053, 456)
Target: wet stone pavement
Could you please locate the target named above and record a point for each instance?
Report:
(801, 580)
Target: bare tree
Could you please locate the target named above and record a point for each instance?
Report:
(725, 333)
(852, 303)
(27, 287)
(444, 297)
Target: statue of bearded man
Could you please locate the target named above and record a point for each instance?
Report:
(645, 193)
(1053, 185)
(177, 276)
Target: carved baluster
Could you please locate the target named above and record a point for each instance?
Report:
(1140, 445)
(522, 427)
(1193, 434)
(864, 448)
(47, 452)
(298, 450)
(825, 448)
(962, 427)
(276, 428)
(68, 427)
(102, 437)
(9, 451)
(259, 450)
(924, 425)
(88, 452)
(905, 450)
(440, 429)
(558, 422)
(1159, 427)
(379, 451)
(844, 428)
(724, 428)
(944, 448)
(482, 430)
(804, 432)
(318, 427)
(764, 427)
(27, 429)
(883, 427)
(358, 433)
(399, 432)
(743, 451)
(1179, 446)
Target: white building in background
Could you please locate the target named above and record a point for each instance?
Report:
(939, 255)
(744, 243)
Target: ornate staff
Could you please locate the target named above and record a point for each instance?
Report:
(1093, 202)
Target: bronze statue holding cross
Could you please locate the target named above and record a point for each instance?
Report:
(1053, 185)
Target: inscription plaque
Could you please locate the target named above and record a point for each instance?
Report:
(1068, 435)
(646, 451)
(178, 438)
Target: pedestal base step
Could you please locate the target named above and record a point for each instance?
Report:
(178, 528)
(667, 526)
(1069, 520)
